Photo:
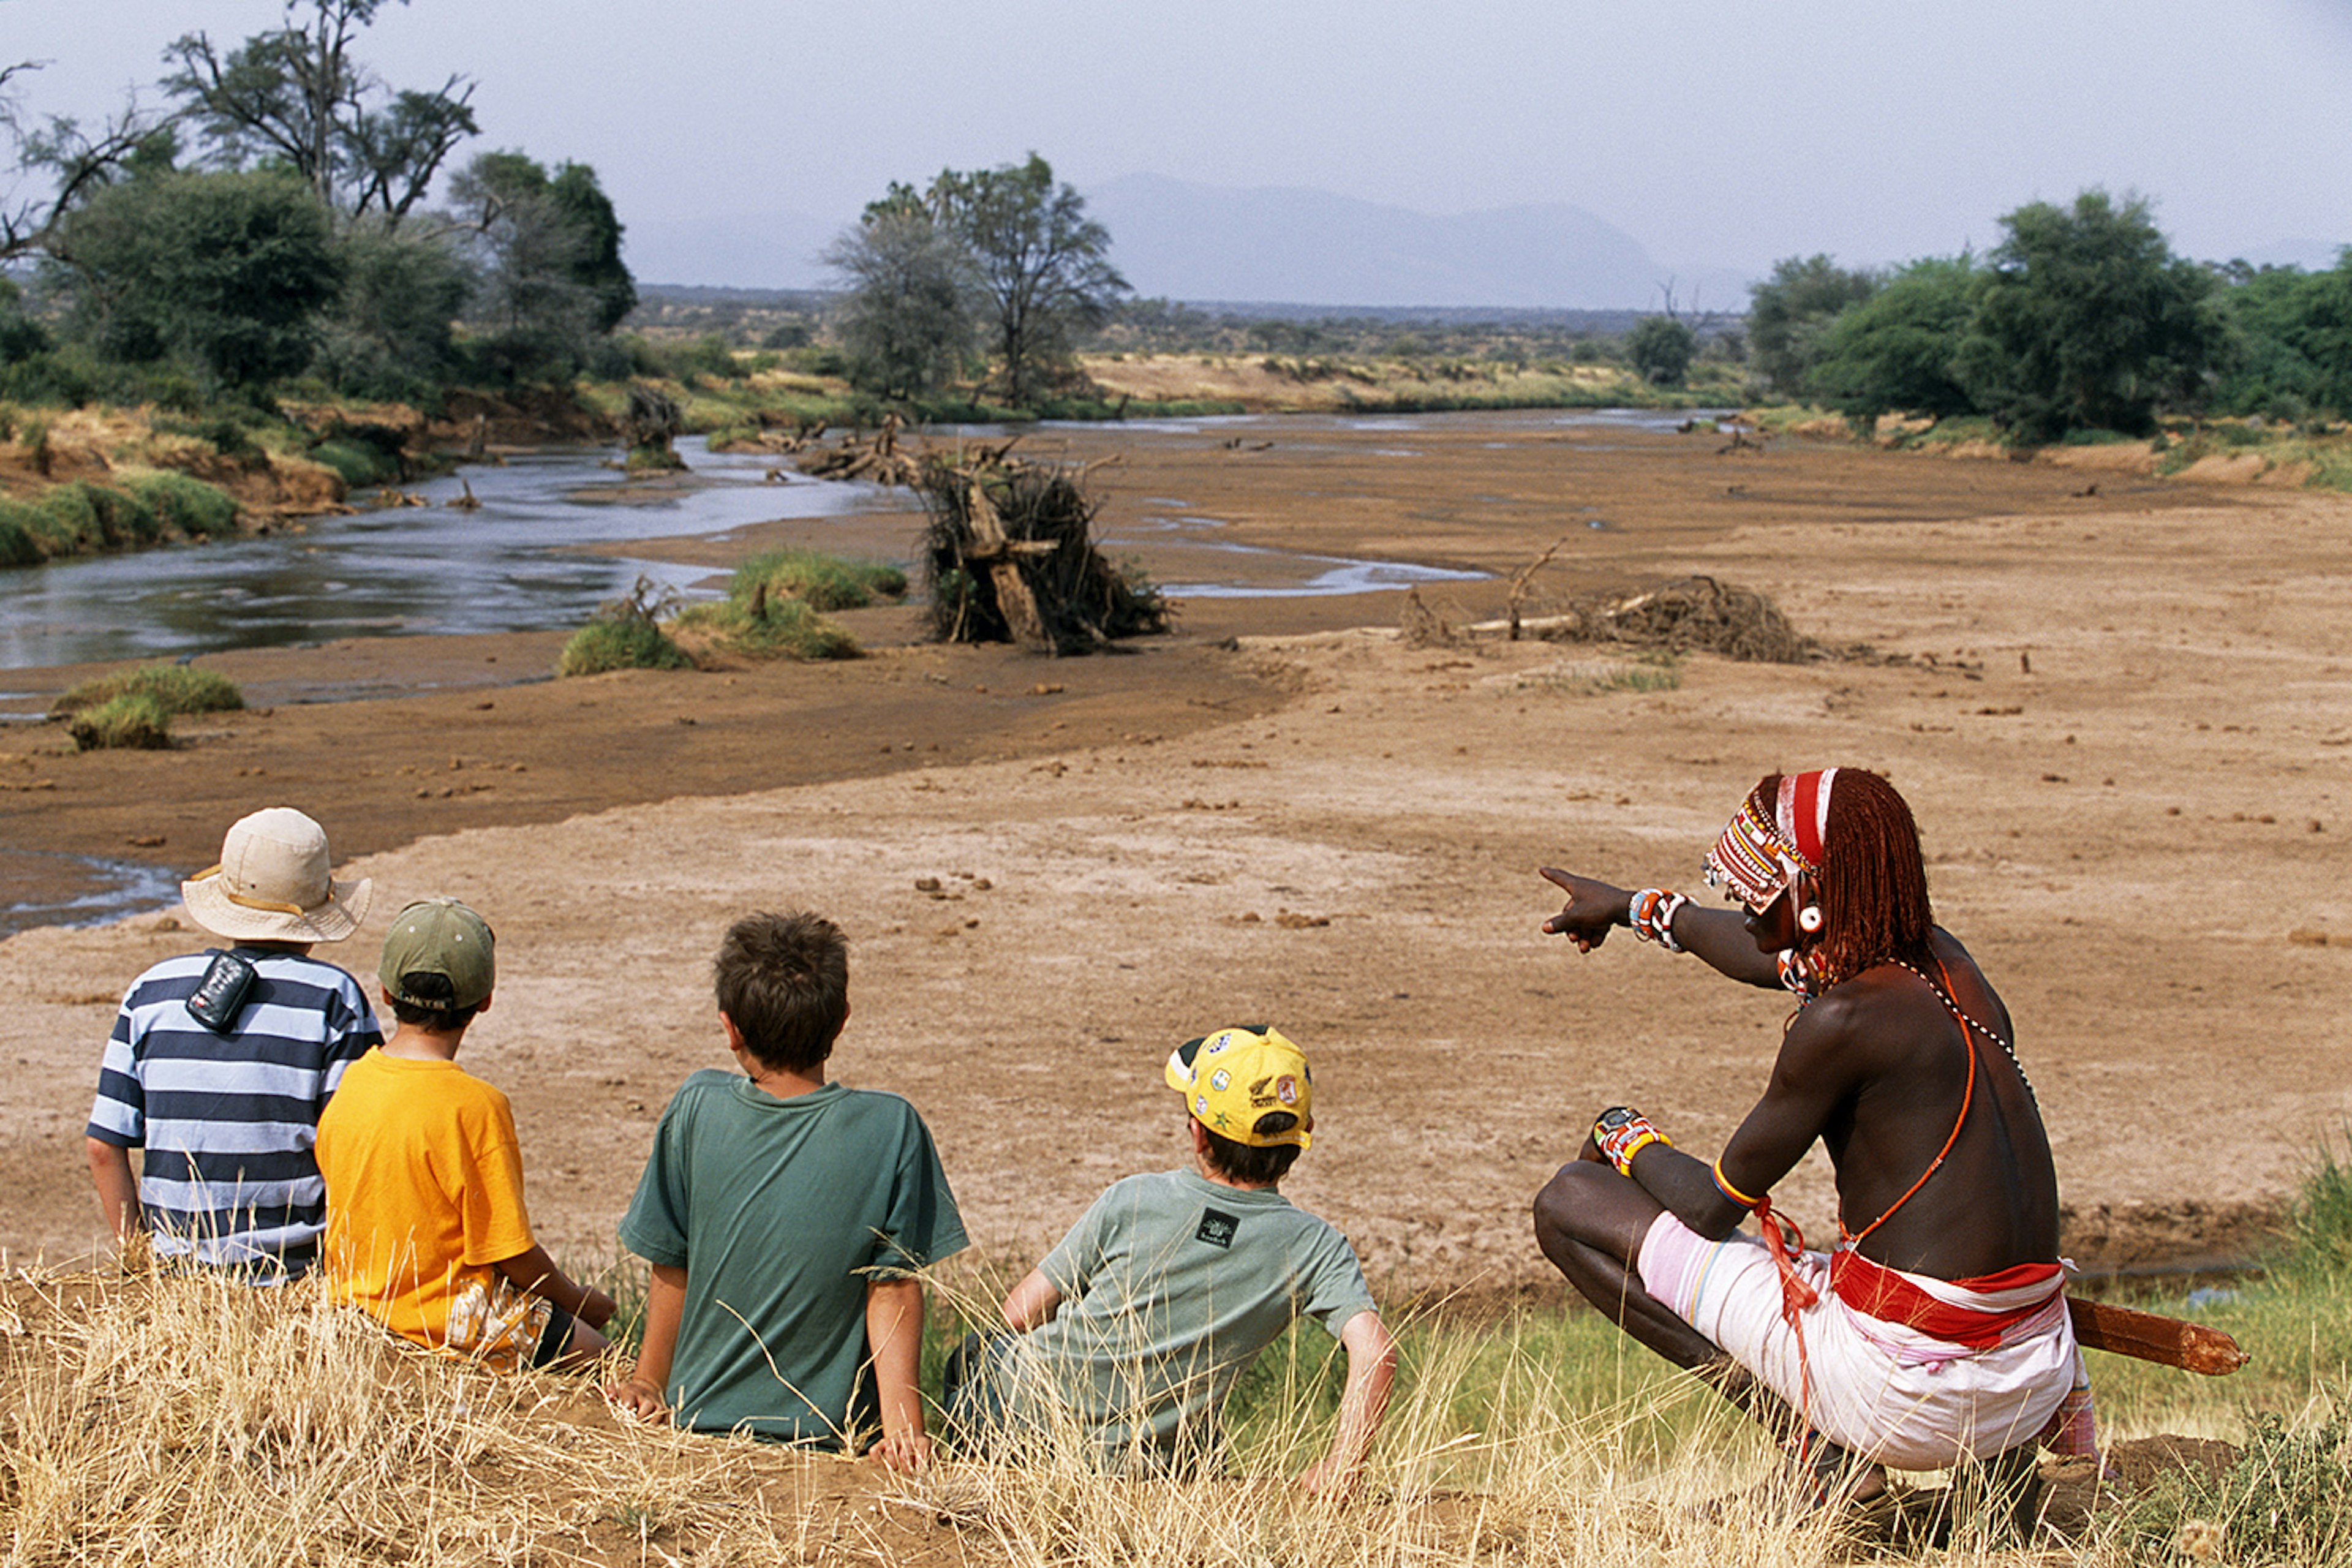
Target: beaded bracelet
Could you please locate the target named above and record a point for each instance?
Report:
(1652, 915)
(1627, 1137)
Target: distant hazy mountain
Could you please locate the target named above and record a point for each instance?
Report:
(739, 250)
(1211, 243)
(1185, 241)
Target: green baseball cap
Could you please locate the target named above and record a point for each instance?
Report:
(443, 937)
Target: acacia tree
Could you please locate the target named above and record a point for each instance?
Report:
(228, 272)
(908, 320)
(1662, 348)
(2086, 318)
(1789, 315)
(1043, 264)
(546, 257)
(66, 161)
(296, 97)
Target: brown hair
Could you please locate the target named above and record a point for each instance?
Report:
(1250, 1165)
(784, 981)
(1873, 885)
(430, 986)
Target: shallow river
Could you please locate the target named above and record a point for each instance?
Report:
(512, 565)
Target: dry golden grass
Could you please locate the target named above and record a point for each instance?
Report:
(192, 1420)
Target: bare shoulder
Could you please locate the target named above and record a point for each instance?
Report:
(1861, 1024)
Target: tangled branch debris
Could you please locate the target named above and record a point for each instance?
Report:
(1695, 613)
(1009, 557)
(876, 458)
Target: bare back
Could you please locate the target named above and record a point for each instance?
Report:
(1879, 1070)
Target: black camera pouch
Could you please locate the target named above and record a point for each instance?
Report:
(220, 994)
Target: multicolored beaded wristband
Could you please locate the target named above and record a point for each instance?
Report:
(1651, 913)
(1621, 1132)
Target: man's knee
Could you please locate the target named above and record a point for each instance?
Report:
(1569, 1202)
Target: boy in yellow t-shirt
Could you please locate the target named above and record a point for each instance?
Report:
(425, 1223)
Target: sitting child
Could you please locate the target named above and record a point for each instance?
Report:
(785, 1218)
(1141, 1321)
(425, 1223)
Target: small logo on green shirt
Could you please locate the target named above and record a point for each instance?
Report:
(1217, 1228)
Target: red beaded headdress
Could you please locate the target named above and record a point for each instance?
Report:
(1771, 840)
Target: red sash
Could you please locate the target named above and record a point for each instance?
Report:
(1878, 1291)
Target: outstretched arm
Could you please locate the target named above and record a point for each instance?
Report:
(1371, 1372)
(1719, 937)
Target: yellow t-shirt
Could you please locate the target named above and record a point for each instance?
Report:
(424, 1195)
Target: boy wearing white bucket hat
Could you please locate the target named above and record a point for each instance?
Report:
(220, 1062)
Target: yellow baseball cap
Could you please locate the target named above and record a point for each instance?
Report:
(1235, 1075)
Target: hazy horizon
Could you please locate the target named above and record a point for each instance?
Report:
(1718, 138)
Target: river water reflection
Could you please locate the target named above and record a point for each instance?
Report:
(402, 571)
(513, 563)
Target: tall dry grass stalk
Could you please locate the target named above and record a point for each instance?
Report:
(193, 1420)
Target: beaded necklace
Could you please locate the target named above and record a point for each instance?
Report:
(1943, 995)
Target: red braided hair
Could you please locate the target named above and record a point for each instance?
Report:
(1873, 885)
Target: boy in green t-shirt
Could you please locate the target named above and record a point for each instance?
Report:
(785, 1218)
(1139, 1322)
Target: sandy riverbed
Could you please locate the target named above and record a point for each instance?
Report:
(2130, 759)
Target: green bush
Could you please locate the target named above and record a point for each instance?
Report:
(194, 508)
(179, 687)
(67, 520)
(782, 628)
(821, 581)
(20, 542)
(620, 643)
(133, 721)
(2288, 1500)
(124, 520)
(357, 464)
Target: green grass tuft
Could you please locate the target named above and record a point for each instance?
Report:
(619, 643)
(783, 629)
(132, 721)
(356, 463)
(196, 509)
(1650, 671)
(821, 581)
(177, 687)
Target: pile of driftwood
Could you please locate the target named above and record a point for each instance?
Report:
(876, 458)
(1695, 613)
(1009, 557)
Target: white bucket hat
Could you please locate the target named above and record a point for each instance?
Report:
(272, 884)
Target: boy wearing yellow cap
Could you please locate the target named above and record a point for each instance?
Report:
(1141, 1322)
(426, 1229)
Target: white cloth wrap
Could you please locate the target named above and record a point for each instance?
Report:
(1880, 1390)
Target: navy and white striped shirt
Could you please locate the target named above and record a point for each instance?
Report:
(228, 1121)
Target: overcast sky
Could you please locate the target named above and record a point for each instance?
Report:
(1717, 134)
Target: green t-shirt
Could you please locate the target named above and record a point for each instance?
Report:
(1171, 1285)
(779, 1211)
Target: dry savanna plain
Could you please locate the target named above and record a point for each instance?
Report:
(2121, 706)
